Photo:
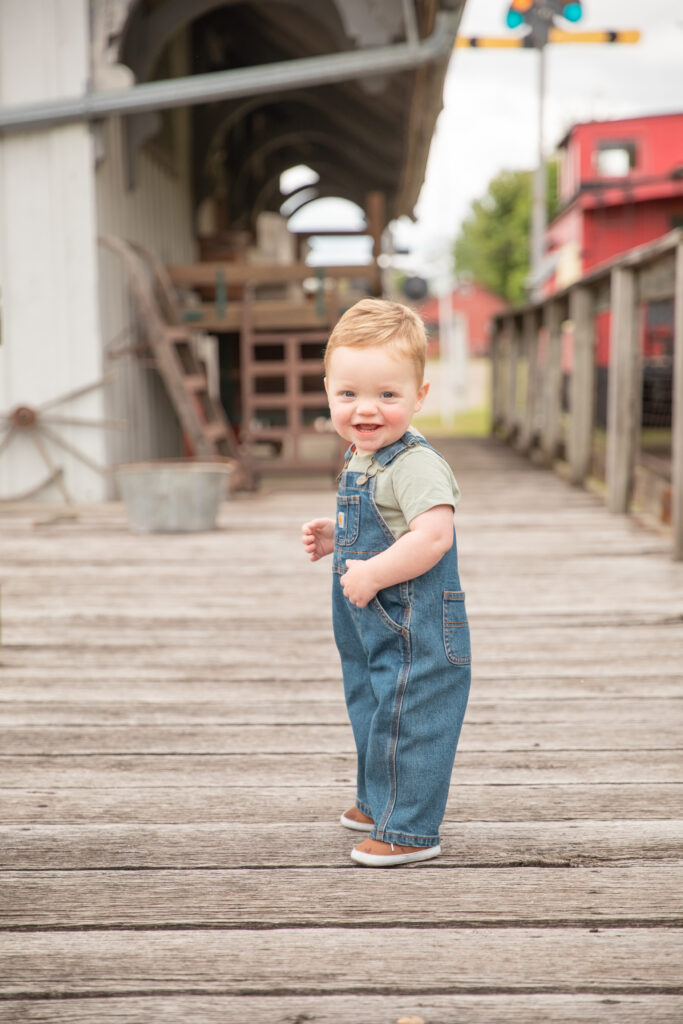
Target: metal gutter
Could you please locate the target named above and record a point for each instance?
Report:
(221, 85)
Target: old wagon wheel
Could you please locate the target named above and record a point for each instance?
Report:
(37, 424)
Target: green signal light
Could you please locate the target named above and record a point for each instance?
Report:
(514, 19)
(572, 12)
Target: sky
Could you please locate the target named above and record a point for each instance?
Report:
(489, 120)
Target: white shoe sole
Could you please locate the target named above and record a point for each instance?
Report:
(357, 826)
(378, 860)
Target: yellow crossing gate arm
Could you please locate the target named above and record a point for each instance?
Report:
(556, 35)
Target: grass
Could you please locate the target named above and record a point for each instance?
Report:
(471, 423)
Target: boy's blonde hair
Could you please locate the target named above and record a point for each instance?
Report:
(378, 322)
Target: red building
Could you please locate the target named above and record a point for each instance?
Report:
(477, 305)
(621, 185)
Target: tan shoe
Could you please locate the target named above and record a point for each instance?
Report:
(394, 856)
(355, 819)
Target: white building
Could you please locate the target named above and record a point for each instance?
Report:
(349, 88)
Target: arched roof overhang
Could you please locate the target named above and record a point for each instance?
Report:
(365, 135)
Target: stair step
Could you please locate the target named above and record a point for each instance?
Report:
(176, 333)
(214, 431)
(195, 382)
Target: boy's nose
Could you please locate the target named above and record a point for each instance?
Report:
(365, 405)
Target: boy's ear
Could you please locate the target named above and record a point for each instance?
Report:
(421, 395)
(325, 383)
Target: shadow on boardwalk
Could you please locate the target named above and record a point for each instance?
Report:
(175, 756)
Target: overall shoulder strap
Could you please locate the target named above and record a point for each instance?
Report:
(386, 455)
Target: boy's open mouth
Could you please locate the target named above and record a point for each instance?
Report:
(366, 428)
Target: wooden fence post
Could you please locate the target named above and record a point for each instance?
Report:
(582, 384)
(530, 346)
(513, 379)
(677, 410)
(552, 389)
(509, 397)
(624, 390)
(497, 408)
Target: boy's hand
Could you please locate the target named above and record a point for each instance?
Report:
(318, 538)
(358, 583)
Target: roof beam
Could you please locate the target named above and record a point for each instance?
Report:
(194, 89)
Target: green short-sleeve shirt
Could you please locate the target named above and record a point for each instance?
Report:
(418, 479)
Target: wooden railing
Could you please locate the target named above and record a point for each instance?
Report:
(213, 294)
(547, 409)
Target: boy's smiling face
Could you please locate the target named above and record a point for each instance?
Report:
(373, 395)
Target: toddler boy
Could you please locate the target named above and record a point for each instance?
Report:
(398, 610)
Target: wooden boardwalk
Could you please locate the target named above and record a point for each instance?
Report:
(175, 755)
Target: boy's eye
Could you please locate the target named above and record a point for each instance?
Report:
(347, 394)
(387, 394)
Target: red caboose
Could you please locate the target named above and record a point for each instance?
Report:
(621, 185)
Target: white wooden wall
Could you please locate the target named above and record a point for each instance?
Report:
(50, 329)
(156, 213)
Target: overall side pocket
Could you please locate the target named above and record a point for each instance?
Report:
(456, 631)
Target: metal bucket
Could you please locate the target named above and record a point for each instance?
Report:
(173, 495)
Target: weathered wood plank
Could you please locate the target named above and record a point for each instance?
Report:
(181, 802)
(322, 1009)
(177, 686)
(256, 769)
(324, 844)
(206, 273)
(527, 647)
(305, 738)
(276, 708)
(326, 961)
(302, 897)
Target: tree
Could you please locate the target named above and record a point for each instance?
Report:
(494, 240)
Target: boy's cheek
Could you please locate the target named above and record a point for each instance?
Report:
(394, 416)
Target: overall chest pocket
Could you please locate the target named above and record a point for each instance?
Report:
(456, 632)
(348, 520)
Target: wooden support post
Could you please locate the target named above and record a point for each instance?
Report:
(677, 425)
(582, 384)
(530, 348)
(624, 390)
(375, 212)
(511, 421)
(497, 407)
(552, 382)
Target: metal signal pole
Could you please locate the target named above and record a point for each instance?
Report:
(539, 198)
(538, 16)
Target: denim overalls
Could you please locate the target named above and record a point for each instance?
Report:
(406, 667)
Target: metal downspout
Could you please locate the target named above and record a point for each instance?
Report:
(264, 78)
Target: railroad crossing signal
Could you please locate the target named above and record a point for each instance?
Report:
(539, 18)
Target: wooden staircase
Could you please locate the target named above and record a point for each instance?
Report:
(202, 417)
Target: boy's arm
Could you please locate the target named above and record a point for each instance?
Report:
(429, 538)
(318, 538)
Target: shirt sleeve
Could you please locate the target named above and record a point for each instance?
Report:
(421, 479)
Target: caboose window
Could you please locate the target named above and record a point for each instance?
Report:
(615, 159)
